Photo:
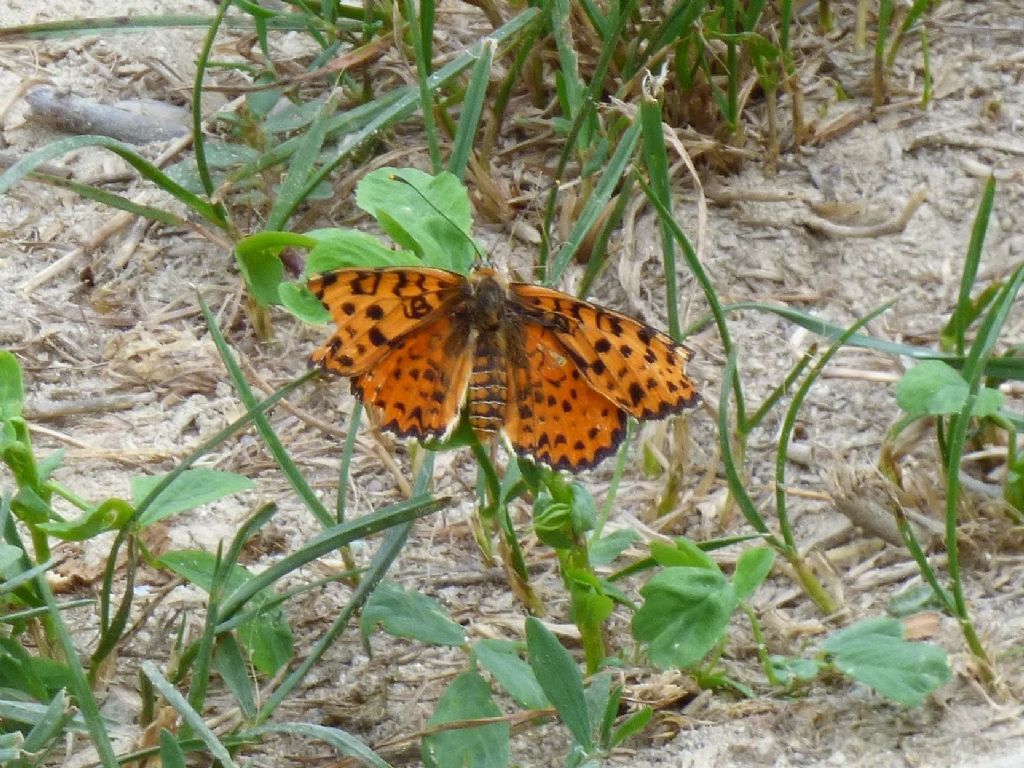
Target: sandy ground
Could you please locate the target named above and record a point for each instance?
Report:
(122, 375)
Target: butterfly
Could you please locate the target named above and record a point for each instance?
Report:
(557, 376)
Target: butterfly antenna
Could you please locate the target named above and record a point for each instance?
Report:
(481, 260)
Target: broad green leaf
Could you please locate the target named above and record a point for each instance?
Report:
(297, 299)
(192, 488)
(685, 613)
(913, 600)
(584, 509)
(10, 560)
(874, 652)
(553, 522)
(501, 659)
(409, 614)
(590, 605)
(684, 553)
(605, 550)
(789, 670)
(632, 724)
(752, 568)
(342, 248)
(483, 746)
(933, 388)
(602, 703)
(233, 669)
(436, 228)
(12, 389)
(171, 754)
(267, 636)
(561, 680)
(259, 260)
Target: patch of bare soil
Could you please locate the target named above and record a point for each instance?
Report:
(122, 375)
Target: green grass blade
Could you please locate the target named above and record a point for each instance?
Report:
(789, 422)
(656, 162)
(343, 742)
(885, 11)
(732, 474)
(385, 555)
(973, 369)
(1001, 367)
(596, 17)
(81, 689)
(100, 25)
(198, 139)
(914, 14)
(406, 100)
(262, 424)
(599, 253)
(472, 108)
(146, 169)
(111, 200)
(348, 122)
(421, 31)
(732, 65)
(610, 179)
(329, 540)
(171, 754)
(347, 451)
(204, 655)
(573, 88)
(717, 311)
(191, 718)
(295, 187)
(572, 139)
(988, 333)
(971, 262)
(676, 24)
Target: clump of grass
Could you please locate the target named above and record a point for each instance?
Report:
(725, 69)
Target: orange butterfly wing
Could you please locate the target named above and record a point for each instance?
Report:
(374, 307)
(639, 368)
(418, 388)
(554, 415)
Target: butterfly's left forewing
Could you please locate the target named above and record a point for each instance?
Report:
(373, 308)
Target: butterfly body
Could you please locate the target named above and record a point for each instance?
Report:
(558, 376)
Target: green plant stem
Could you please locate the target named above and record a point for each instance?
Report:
(421, 51)
(810, 583)
(198, 141)
(778, 392)
(762, 646)
(613, 486)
